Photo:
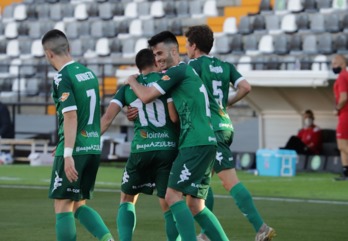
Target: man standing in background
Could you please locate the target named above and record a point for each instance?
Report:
(339, 66)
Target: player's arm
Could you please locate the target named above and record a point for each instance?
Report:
(342, 100)
(173, 114)
(243, 88)
(111, 112)
(144, 93)
(70, 129)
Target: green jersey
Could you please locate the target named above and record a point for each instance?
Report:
(192, 104)
(217, 76)
(76, 88)
(153, 129)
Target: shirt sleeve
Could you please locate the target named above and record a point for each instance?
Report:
(119, 97)
(171, 78)
(66, 95)
(235, 76)
(342, 84)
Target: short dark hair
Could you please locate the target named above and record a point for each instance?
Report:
(309, 113)
(166, 37)
(56, 41)
(144, 58)
(202, 36)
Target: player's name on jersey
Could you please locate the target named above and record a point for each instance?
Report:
(84, 76)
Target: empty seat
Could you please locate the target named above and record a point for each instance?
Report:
(306, 62)
(309, 45)
(169, 9)
(245, 25)
(115, 46)
(302, 22)
(290, 63)
(288, 23)
(136, 27)
(295, 44)
(310, 6)
(281, 44)
(36, 49)
(157, 9)
(295, 6)
(273, 24)
(325, 44)
(320, 63)
(332, 23)
(339, 4)
(182, 8)
(56, 12)
(237, 44)
(24, 45)
(324, 5)
(251, 44)
(80, 12)
(266, 44)
(43, 11)
(102, 47)
(97, 29)
(230, 26)
(345, 22)
(161, 25)
(317, 23)
(280, 7)
(93, 10)
(196, 8)
(128, 50)
(28, 67)
(259, 23)
(76, 48)
(341, 44)
(210, 9)
(60, 26)
(7, 14)
(244, 65)
(130, 10)
(11, 30)
(176, 27)
(259, 62)
(20, 12)
(38, 29)
(222, 44)
(106, 11)
(140, 44)
(265, 6)
(12, 48)
(67, 11)
(144, 9)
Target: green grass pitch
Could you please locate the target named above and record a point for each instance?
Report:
(307, 207)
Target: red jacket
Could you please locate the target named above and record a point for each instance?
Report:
(311, 137)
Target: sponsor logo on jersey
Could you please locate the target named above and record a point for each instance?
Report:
(84, 76)
(152, 135)
(57, 78)
(185, 174)
(89, 134)
(88, 148)
(216, 69)
(165, 77)
(64, 96)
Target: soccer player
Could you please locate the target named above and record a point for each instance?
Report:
(153, 148)
(76, 96)
(191, 170)
(217, 76)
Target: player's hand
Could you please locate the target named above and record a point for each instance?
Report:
(132, 113)
(131, 78)
(69, 168)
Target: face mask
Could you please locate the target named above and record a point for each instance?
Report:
(308, 122)
(337, 70)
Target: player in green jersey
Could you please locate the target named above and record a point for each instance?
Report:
(75, 91)
(153, 148)
(217, 76)
(191, 171)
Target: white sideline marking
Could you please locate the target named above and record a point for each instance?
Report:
(274, 199)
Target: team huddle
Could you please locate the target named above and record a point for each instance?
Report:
(182, 136)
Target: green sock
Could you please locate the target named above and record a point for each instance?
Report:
(209, 202)
(245, 203)
(171, 230)
(92, 221)
(126, 221)
(207, 220)
(184, 221)
(65, 227)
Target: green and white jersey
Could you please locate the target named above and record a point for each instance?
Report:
(192, 104)
(153, 129)
(217, 76)
(76, 88)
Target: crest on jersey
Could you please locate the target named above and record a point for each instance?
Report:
(165, 77)
(83, 133)
(64, 96)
